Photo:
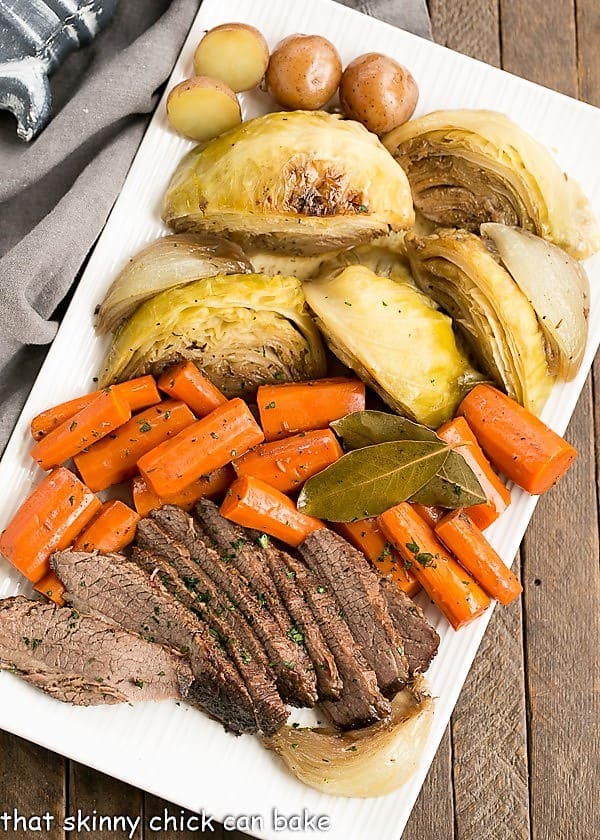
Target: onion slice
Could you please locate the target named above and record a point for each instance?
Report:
(557, 288)
(170, 261)
(365, 762)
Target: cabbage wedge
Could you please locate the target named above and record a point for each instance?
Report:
(395, 339)
(303, 182)
(456, 269)
(467, 167)
(241, 330)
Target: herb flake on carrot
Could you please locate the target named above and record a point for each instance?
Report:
(303, 406)
(253, 504)
(210, 486)
(449, 586)
(210, 443)
(52, 588)
(184, 382)
(516, 441)
(47, 521)
(114, 459)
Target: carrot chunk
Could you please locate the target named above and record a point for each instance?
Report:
(112, 529)
(139, 393)
(459, 433)
(52, 588)
(303, 406)
(516, 441)
(465, 540)
(367, 536)
(114, 459)
(449, 586)
(96, 420)
(185, 382)
(213, 485)
(206, 445)
(253, 504)
(286, 464)
(47, 521)
(430, 513)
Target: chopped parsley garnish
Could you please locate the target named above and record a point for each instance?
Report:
(263, 541)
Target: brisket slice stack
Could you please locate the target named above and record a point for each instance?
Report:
(261, 628)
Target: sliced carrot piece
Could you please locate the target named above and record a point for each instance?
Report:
(516, 441)
(139, 393)
(203, 447)
(448, 585)
(286, 464)
(302, 406)
(430, 513)
(466, 541)
(211, 486)
(111, 529)
(114, 459)
(253, 504)
(185, 382)
(459, 433)
(367, 536)
(98, 419)
(47, 521)
(52, 588)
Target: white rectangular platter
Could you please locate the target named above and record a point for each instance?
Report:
(175, 751)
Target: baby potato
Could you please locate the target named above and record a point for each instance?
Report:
(378, 92)
(304, 72)
(235, 53)
(202, 108)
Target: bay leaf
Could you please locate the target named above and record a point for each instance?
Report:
(368, 481)
(366, 428)
(455, 485)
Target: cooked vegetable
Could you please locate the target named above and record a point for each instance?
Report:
(254, 504)
(454, 485)
(202, 108)
(430, 514)
(303, 182)
(235, 53)
(474, 553)
(52, 588)
(368, 537)
(111, 529)
(48, 520)
(139, 393)
(99, 418)
(114, 459)
(365, 762)
(240, 330)
(170, 261)
(303, 406)
(287, 464)
(374, 325)
(516, 441)
(556, 286)
(290, 265)
(449, 586)
(304, 72)
(185, 382)
(467, 167)
(496, 319)
(210, 486)
(368, 481)
(458, 433)
(378, 92)
(206, 445)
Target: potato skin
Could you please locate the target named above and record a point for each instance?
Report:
(235, 53)
(378, 92)
(304, 72)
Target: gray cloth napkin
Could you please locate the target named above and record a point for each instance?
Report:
(56, 192)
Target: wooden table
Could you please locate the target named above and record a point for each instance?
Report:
(521, 758)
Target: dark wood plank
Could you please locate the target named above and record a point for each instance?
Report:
(162, 820)
(93, 793)
(32, 781)
(489, 736)
(588, 38)
(433, 814)
(470, 28)
(538, 42)
(562, 624)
